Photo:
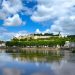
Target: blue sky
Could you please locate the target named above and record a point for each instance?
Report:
(22, 17)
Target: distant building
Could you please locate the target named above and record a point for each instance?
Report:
(38, 36)
(69, 44)
(2, 44)
(72, 44)
(41, 37)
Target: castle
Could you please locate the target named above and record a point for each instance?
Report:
(39, 36)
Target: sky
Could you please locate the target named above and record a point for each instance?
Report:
(22, 17)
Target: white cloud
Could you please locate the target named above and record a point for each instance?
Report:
(13, 21)
(3, 15)
(64, 25)
(38, 31)
(48, 9)
(21, 33)
(62, 12)
(42, 13)
(46, 31)
(6, 35)
(28, 11)
(11, 8)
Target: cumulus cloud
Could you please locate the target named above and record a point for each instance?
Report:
(13, 21)
(3, 15)
(45, 31)
(62, 13)
(48, 9)
(11, 8)
(21, 33)
(9, 35)
(37, 31)
(65, 25)
(6, 35)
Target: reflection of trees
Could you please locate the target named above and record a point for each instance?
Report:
(37, 57)
(68, 56)
(71, 57)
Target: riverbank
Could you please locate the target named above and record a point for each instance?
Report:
(38, 48)
(34, 49)
(41, 48)
(31, 49)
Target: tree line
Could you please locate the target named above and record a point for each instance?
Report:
(50, 42)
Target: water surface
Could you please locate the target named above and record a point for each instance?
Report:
(57, 63)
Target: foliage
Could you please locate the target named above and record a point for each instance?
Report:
(50, 42)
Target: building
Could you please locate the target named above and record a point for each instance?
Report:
(69, 44)
(2, 44)
(41, 37)
(37, 36)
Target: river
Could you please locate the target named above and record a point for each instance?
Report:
(56, 63)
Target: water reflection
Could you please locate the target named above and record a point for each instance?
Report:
(36, 57)
(64, 68)
(56, 63)
(8, 71)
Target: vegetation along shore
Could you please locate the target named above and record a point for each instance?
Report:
(42, 40)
